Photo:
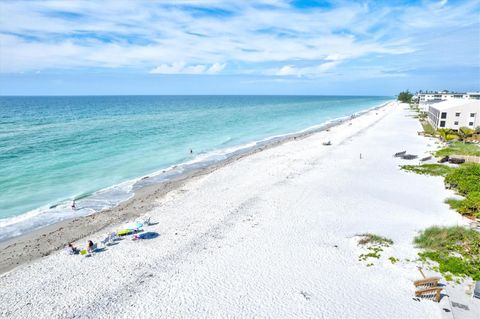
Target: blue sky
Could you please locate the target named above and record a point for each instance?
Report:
(238, 47)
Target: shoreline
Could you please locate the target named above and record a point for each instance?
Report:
(23, 224)
(25, 248)
(273, 233)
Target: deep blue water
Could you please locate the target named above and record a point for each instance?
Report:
(54, 149)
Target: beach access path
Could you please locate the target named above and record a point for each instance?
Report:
(272, 235)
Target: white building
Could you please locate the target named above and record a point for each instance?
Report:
(426, 99)
(455, 113)
(474, 95)
(442, 96)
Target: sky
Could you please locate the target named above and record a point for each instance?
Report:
(304, 47)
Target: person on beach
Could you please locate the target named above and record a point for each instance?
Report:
(73, 204)
(72, 249)
(90, 247)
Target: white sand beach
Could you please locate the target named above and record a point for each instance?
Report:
(271, 235)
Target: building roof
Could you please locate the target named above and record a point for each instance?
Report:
(443, 93)
(447, 104)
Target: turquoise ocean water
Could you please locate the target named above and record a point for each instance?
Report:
(96, 149)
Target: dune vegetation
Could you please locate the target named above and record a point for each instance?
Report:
(456, 250)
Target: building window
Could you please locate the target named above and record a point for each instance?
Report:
(444, 115)
(455, 123)
(472, 114)
(470, 123)
(457, 114)
(442, 123)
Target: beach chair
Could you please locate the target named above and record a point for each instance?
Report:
(408, 156)
(399, 154)
(71, 251)
(476, 290)
(429, 293)
(106, 240)
(145, 220)
(109, 239)
(427, 282)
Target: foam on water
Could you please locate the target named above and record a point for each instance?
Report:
(220, 144)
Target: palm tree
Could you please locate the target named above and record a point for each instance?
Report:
(465, 132)
(443, 132)
(446, 134)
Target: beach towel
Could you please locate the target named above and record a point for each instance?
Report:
(134, 226)
(125, 232)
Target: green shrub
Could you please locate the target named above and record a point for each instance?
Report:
(470, 205)
(465, 178)
(374, 246)
(459, 148)
(455, 249)
(373, 239)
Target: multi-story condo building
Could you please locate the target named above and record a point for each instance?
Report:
(455, 113)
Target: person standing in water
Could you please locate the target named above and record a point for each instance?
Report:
(73, 204)
(191, 151)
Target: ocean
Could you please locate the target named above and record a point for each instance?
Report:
(96, 149)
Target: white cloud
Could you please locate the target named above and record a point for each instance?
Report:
(215, 68)
(183, 68)
(286, 70)
(309, 71)
(144, 34)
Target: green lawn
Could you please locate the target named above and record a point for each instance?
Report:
(459, 148)
(427, 128)
(428, 169)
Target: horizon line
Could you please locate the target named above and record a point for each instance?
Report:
(91, 95)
